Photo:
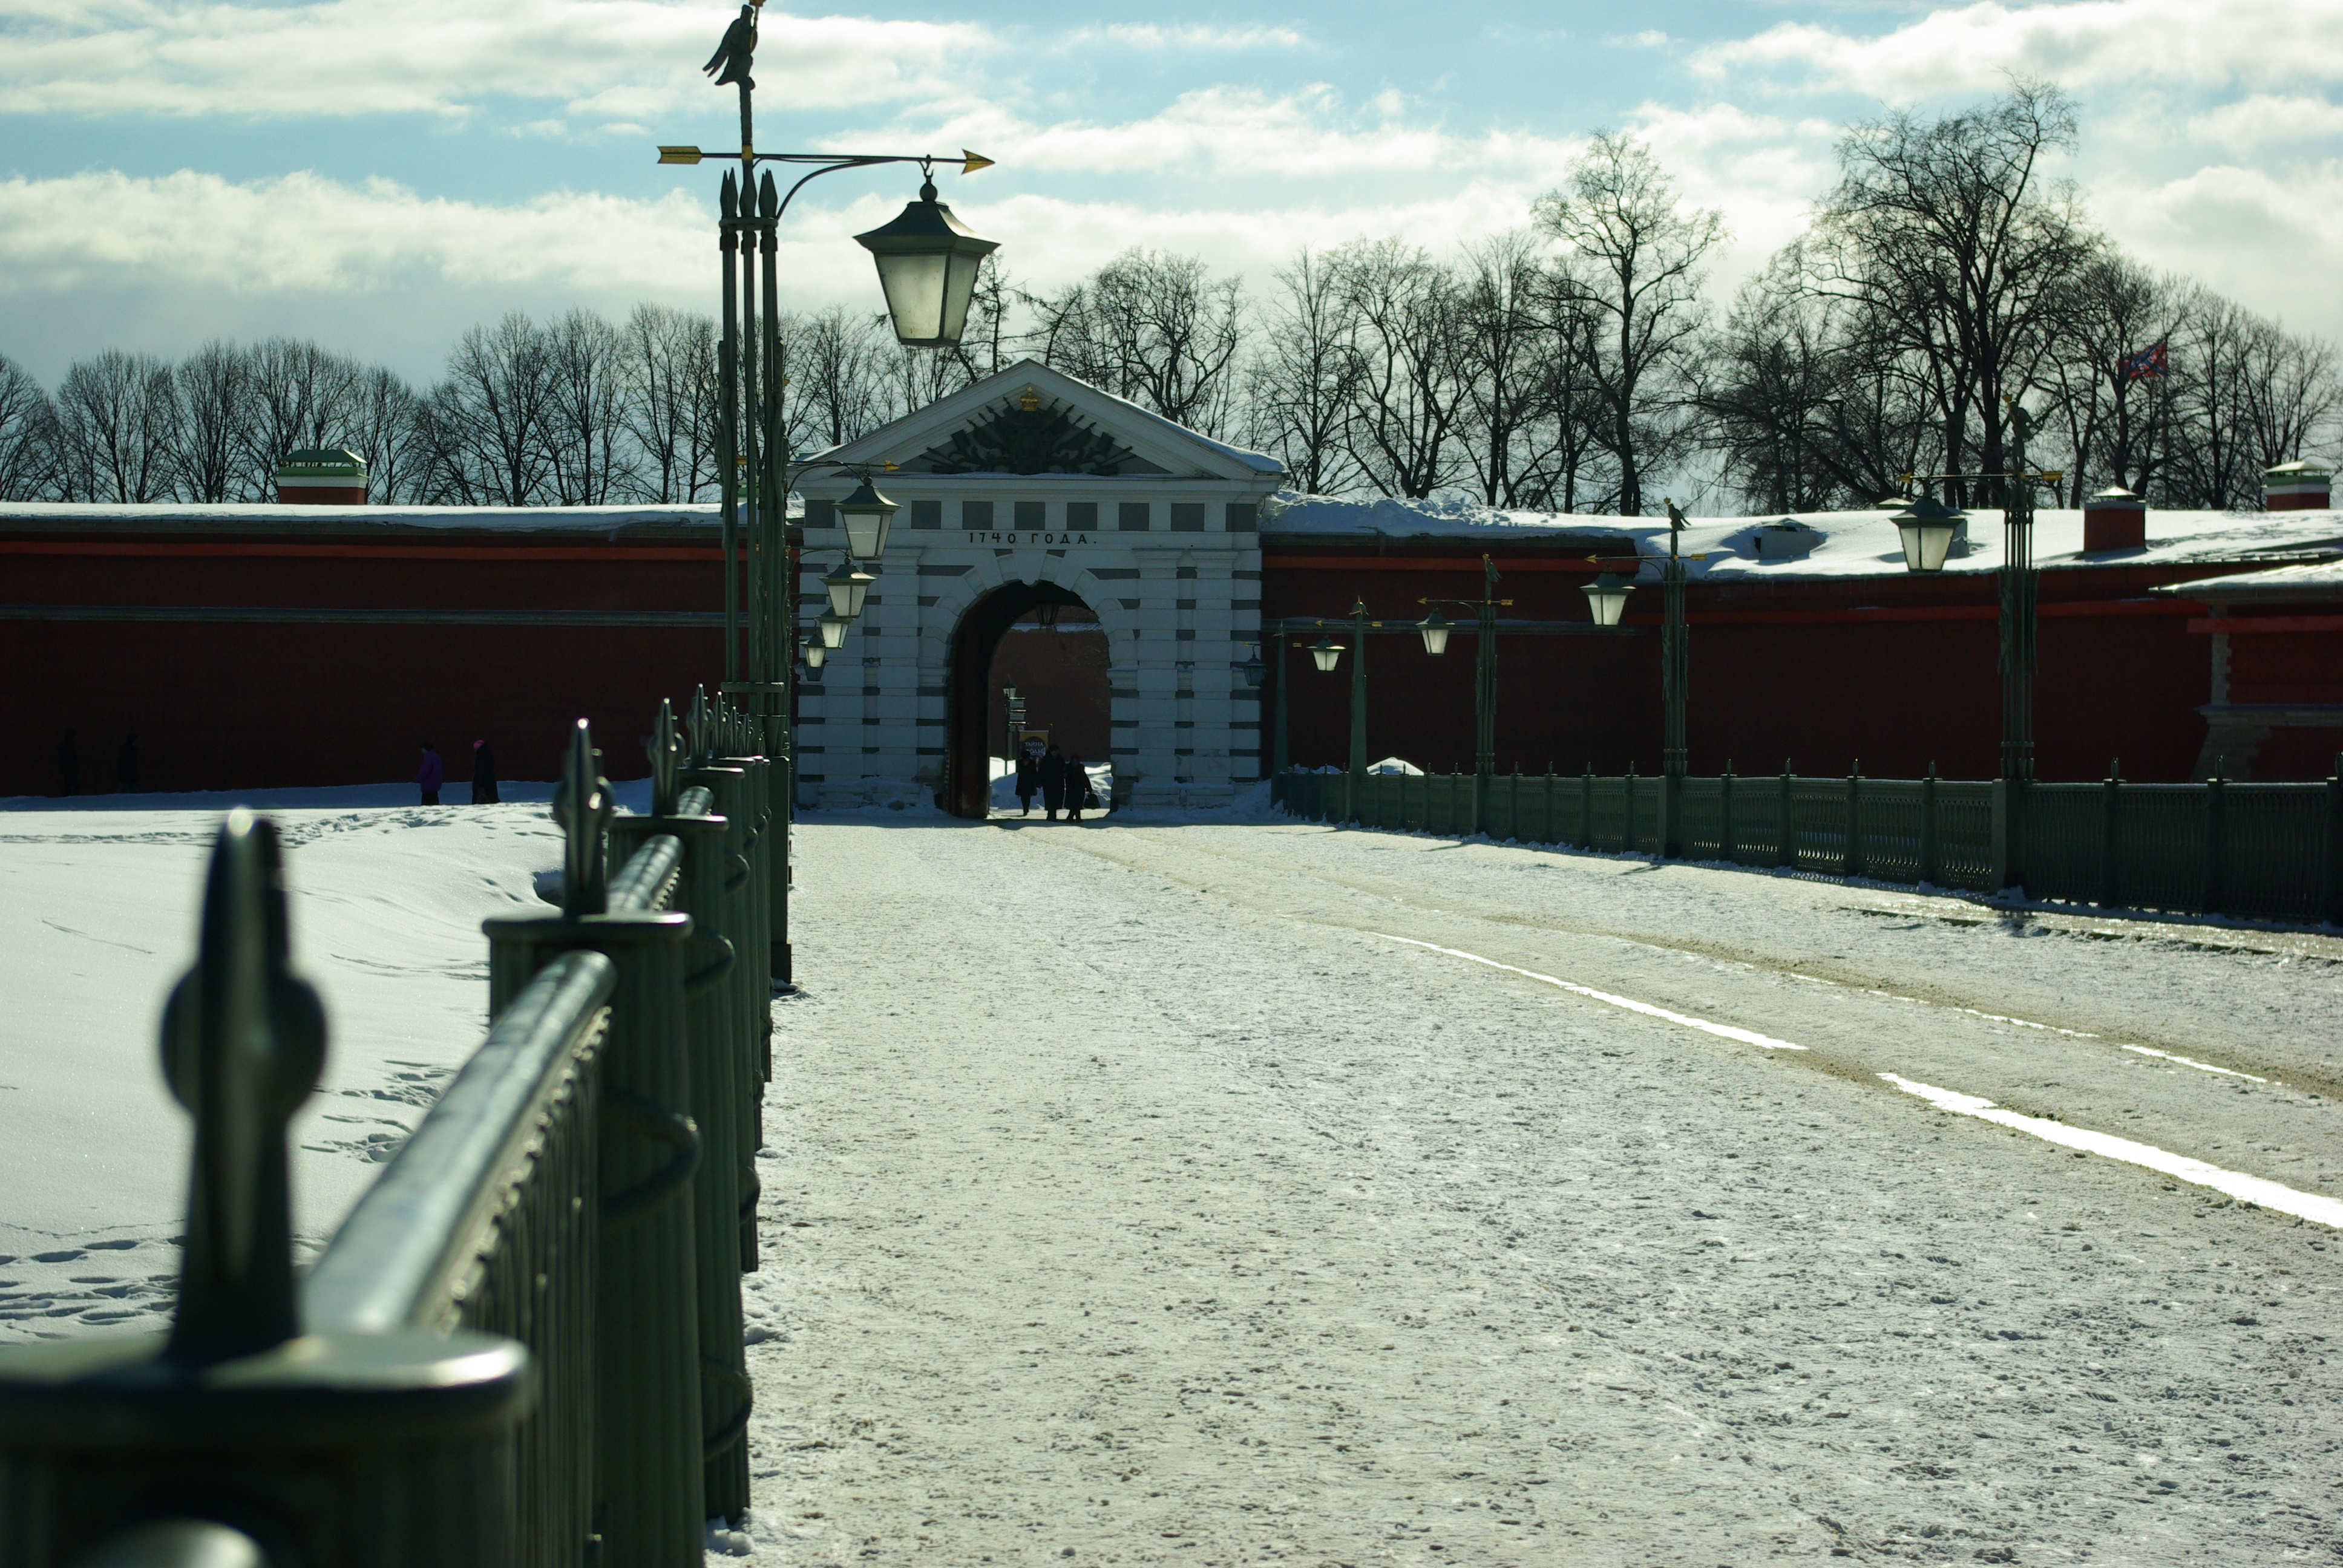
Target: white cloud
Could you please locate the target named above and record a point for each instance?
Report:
(603, 59)
(2080, 44)
(1304, 134)
(1148, 35)
(303, 232)
(378, 268)
(2274, 243)
(2265, 119)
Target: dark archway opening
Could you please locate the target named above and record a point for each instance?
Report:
(1063, 680)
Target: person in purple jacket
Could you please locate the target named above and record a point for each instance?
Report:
(431, 775)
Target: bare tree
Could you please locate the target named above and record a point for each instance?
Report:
(491, 421)
(2245, 396)
(1950, 234)
(1635, 261)
(1304, 371)
(302, 397)
(1808, 403)
(586, 423)
(27, 435)
(213, 434)
(1525, 338)
(671, 398)
(1408, 394)
(1156, 329)
(115, 418)
(387, 428)
(2115, 421)
(840, 365)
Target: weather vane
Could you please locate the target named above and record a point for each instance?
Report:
(738, 51)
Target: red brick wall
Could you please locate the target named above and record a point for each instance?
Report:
(225, 705)
(1894, 672)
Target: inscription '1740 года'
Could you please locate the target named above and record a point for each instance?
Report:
(1028, 536)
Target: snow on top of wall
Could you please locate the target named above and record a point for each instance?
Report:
(1852, 544)
(517, 519)
(2321, 580)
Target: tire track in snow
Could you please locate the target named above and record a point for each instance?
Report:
(2258, 1189)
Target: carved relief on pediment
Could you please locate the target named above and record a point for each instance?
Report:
(1024, 437)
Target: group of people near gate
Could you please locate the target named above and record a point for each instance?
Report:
(1060, 779)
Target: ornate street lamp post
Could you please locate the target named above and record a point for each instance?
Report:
(1924, 551)
(1358, 770)
(1435, 629)
(926, 262)
(1484, 694)
(1607, 597)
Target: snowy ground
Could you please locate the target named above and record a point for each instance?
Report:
(98, 909)
(1135, 1196)
(1221, 1192)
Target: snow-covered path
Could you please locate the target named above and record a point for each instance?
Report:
(1134, 1196)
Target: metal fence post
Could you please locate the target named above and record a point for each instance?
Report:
(751, 989)
(2333, 901)
(1785, 845)
(1851, 847)
(1724, 814)
(1929, 856)
(236, 1433)
(2212, 896)
(728, 744)
(649, 1482)
(1586, 808)
(722, 1078)
(1628, 833)
(2108, 806)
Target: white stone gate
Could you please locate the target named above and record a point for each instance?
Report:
(1032, 477)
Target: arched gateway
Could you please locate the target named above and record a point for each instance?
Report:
(1031, 477)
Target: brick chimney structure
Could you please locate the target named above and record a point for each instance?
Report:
(2296, 487)
(2114, 520)
(322, 479)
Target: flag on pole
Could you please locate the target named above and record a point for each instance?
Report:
(2148, 365)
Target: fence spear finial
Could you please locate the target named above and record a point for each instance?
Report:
(583, 807)
(666, 755)
(700, 751)
(243, 1042)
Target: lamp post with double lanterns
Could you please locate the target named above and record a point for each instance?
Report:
(1927, 528)
(1435, 629)
(1606, 599)
(926, 262)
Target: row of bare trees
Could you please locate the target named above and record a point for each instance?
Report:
(1576, 365)
(1945, 276)
(577, 411)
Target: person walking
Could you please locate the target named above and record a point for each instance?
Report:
(68, 765)
(1079, 795)
(1028, 781)
(1053, 769)
(483, 774)
(431, 775)
(126, 765)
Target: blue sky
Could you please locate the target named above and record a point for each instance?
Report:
(380, 175)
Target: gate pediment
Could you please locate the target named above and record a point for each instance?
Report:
(1031, 420)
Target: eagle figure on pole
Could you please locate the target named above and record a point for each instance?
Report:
(738, 48)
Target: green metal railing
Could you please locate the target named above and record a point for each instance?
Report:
(523, 1345)
(2259, 851)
